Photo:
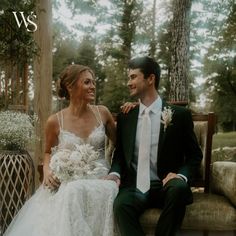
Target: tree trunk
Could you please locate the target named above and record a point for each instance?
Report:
(179, 74)
(7, 78)
(17, 88)
(0, 85)
(43, 73)
(153, 42)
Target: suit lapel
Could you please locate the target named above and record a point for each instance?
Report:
(162, 133)
(130, 128)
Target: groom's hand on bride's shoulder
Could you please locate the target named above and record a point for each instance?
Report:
(113, 177)
(126, 107)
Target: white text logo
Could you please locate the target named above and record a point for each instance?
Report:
(30, 25)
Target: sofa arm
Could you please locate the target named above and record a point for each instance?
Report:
(109, 149)
(224, 179)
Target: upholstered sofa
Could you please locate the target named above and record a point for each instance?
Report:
(211, 211)
(214, 190)
(214, 206)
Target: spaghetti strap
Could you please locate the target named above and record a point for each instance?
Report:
(60, 119)
(59, 122)
(96, 114)
(99, 114)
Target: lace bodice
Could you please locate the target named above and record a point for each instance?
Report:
(95, 139)
(69, 161)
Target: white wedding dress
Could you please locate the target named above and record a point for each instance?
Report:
(83, 207)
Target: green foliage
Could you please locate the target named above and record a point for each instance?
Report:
(129, 33)
(68, 51)
(86, 9)
(164, 57)
(220, 69)
(64, 55)
(16, 44)
(105, 53)
(116, 51)
(83, 7)
(86, 55)
(115, 89)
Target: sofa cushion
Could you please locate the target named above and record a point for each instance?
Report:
(224, 179)
(224, 154)
(208, 212)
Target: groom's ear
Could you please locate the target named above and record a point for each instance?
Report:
(151, 79)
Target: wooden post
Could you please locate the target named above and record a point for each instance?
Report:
(25, 86)
(43, 73)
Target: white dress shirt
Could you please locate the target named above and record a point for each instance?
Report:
(155, 116)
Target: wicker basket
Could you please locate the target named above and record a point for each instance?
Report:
(16, 183)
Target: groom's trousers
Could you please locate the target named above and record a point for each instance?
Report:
(172, 199)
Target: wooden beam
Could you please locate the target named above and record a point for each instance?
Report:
(43, 73)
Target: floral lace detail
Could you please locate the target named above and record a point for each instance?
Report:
(95, 139)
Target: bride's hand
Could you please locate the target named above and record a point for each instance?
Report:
(49, 180)
(113, 178)
(126, 107)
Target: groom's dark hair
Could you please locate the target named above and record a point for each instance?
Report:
(147, 66)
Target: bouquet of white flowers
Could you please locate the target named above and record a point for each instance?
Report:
(72, 162)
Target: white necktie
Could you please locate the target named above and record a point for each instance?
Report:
(143, 170)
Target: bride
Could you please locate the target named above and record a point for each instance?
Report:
(73, 200)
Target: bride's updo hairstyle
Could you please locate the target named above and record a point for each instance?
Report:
(68, 78)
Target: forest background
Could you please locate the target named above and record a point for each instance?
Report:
(105, 34)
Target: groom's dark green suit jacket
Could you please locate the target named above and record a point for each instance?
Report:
(178, 149)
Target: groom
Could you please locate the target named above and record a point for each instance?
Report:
(156, 155)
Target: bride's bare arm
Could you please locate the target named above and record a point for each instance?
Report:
(111, 133)
(109, 123)
(51, 140)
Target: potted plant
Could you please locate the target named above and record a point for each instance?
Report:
(16, 165)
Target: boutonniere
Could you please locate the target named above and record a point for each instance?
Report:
(166, 117)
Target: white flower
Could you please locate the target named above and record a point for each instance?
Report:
(16, 130)
(74, 163)
(166, 117)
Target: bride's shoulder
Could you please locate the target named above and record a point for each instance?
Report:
(102, 108)
(57, 117)
(52, 119)
(52, 122)
(104, 111)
